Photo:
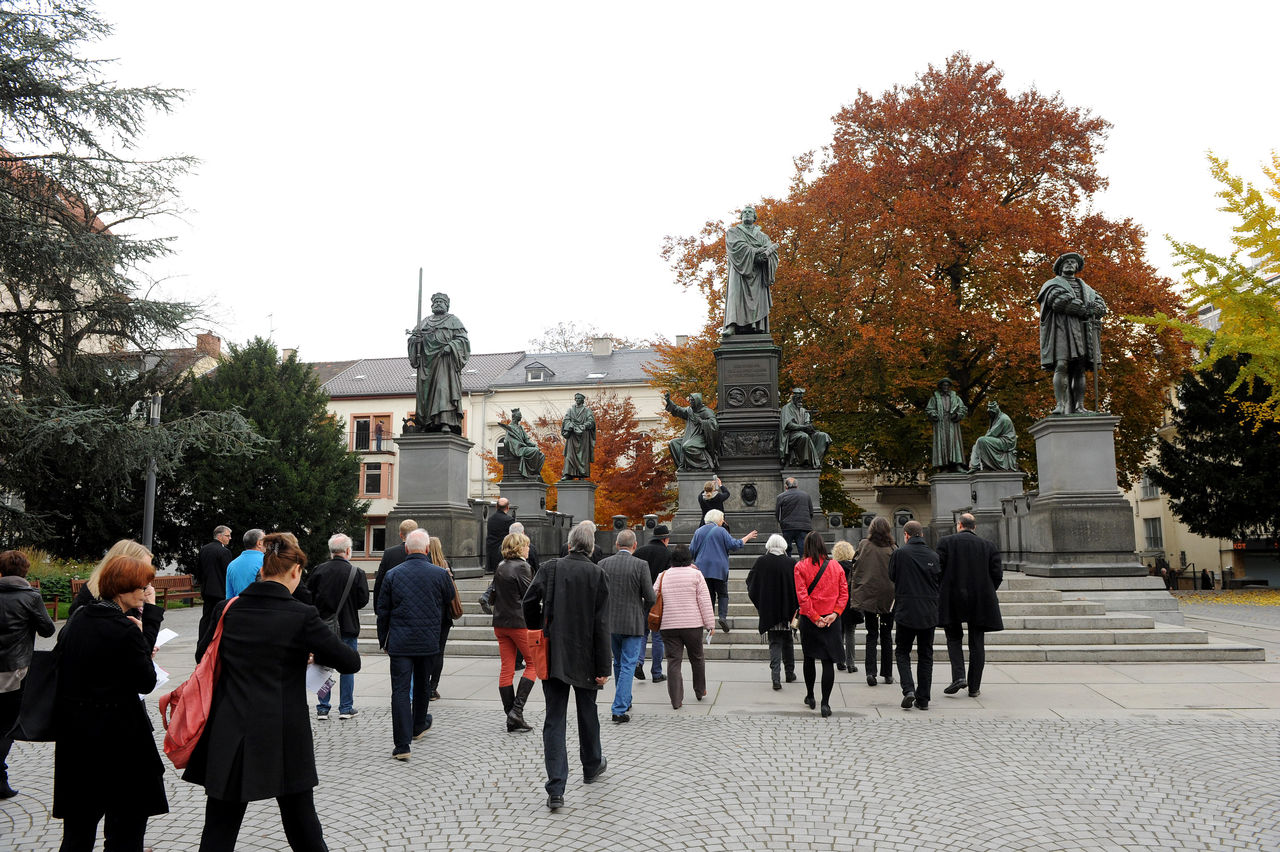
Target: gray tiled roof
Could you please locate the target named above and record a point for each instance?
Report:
(394, 376)
(624, 366)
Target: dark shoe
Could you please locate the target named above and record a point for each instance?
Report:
(826, 710)
(659, 678)
(400, 755)
(974, 693)
(508, 694)
(840, 666)
(699, 696)
(484, 606)
(777, 684)
(908, 699)
(7, 792)
(350, 714)
(888, 678)
(922, 705)
(322, 717)
(791, 677)
(620, 718)
(956, 686)
(852, 667)
(435, 695)
(809, 702)
(724, 625)
(515, 719)
(604, 764)
(871, 680)
(639, 672)
(555, 803)
(417, 735)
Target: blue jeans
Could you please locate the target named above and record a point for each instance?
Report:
(627, 651)
(409, 715)
(795, 538)
(658, 650)
(346, 686)
(555, 754)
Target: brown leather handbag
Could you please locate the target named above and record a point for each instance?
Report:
(655, 612)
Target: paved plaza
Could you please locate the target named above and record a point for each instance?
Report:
(1049, 757)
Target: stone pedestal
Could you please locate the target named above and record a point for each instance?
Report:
(576, 497)
(989, 488)
(528, 496)
(949, 495)
(747, 406)
(1079, 524)
(433, 491)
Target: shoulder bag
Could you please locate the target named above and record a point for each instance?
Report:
(333, 622)
(185, 711)
(36, 714)
(655, 612)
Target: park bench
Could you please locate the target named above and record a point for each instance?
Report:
(51, 606)
(177, 587)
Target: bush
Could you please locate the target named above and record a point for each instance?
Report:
(55, 575)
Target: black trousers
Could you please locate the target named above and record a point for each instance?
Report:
(922, 638)
(977, 653)
(121, 833)
(879, 633)
(436, 667)
(10, 704)
(297, 813)
(554, 751)
(207, 614)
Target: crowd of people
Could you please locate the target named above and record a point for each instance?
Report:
(571, 623)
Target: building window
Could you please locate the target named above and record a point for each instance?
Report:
(535, 375)
(377, 538)
(371, 433)
(1155, 538)
(1149, 489)
(375, 479)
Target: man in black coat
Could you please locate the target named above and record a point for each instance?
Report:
(794, 509)
(569, 602)
(916, 574)
(339, 587)
(392, 556)
(499, 524)
(971, 573)
(658, 555)
(211, 573)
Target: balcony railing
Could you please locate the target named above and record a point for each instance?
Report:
(363, 442)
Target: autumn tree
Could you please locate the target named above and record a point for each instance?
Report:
(632, 476)
(912, 247)
(1244, 286)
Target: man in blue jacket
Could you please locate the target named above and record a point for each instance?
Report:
(411, 605)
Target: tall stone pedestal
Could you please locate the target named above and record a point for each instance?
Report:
(989, 488)
(528, 496)
(949, 495)
(747, 406)
(433, 491)
(576, 497)
(1079, 524)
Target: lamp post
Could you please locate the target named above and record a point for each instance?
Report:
(149, 499)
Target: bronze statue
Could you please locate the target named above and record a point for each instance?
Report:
(517, 444)
(1070, 328)
(699, 447)
(799, 443)
(579, 433)
(998, 449)
(753, 260)
(946, 410)
(438, 350)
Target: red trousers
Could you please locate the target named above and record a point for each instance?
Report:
(511, 640)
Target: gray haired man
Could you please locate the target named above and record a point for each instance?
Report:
(338, 587)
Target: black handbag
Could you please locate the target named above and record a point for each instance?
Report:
(39, 691)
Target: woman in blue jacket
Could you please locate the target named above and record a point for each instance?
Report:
(710, 547)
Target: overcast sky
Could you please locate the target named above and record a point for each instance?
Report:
(533, 156)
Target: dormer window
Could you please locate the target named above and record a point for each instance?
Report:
(536, 375)
(535, 372)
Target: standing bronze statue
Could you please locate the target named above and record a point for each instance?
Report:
(438, 350)
(800, 444)
(946, 410)
(998, 449)
(579, 433)
(753, 260)
(517, 444)
(1070, 332)
(699, 447)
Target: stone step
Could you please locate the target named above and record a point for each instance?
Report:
(1028, 596)
(1061, 608)
(1093, 653)
(1079, 622)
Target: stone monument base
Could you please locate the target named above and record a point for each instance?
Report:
(527, 496)
(433, 491)
(949, 495)
(988, 488)
(576, 497)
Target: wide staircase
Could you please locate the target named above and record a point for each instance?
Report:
(1039, 627)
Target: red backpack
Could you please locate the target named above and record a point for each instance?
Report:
(185, 711)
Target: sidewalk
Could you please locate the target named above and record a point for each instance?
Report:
(1050, 756)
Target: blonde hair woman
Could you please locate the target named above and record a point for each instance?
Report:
(89, 592)
(510, 582)
(843, 553)
(435, 552)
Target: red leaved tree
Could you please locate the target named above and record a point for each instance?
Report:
(912, 247)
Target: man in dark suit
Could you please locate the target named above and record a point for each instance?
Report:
(339, 587)
(499, 525)
(630, 598)
(211, 573)
(414, 602)
(656, 554)
(971, 573)
(569, 602)
(392, 556)
(915, 574)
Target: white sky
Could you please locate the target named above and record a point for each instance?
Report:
(533, 155)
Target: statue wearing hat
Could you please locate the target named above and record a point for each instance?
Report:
(799, 443)
(1070, 325)
(946, 410)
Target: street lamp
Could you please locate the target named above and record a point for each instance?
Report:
(149, 499)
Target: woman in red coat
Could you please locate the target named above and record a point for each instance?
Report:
(823, 594)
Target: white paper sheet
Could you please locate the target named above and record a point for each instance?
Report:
(316, 676)
(165, 635)
(162, 677)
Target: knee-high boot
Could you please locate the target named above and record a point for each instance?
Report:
(515, 719)
(508, 694)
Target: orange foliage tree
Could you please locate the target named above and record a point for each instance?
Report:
(633, 478)
(912, 247)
